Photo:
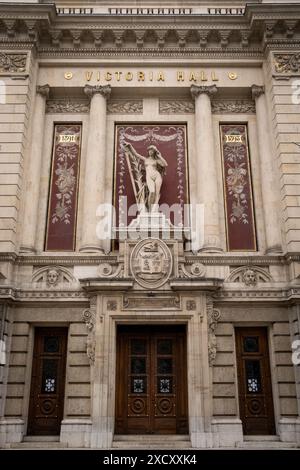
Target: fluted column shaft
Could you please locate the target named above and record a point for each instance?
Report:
(94, 188)
(207, 189)
(267, 164)
(32, 192)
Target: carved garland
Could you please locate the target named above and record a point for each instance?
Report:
(287, 63)
(89, 317)
(213, 316)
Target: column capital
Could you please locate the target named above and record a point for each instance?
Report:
(257, 91)
(43, 90)
(197, 90)
(103, 90)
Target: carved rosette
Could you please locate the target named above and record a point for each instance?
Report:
(213, 316)
(89, 317)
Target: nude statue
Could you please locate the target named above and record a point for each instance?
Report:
(155, 166)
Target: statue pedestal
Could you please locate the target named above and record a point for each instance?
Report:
(151, 224)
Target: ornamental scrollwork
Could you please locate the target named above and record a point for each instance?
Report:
(213, 316)
(287, 63)
(12, 63)
(89, 317)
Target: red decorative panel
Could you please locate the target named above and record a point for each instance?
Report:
(240, 222)
(62, 208)
(130, 176)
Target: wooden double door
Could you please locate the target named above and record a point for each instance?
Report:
(151, 380)
(254, 380)
(48, 381)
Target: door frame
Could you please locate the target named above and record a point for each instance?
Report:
(181, 375)
(29, 367)
(272, 366)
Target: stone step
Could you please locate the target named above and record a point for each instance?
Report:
(37, 445)
(266, 444)
(41, 439)
(151, 442)
(151, 437)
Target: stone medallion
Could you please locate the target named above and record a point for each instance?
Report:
(151, 263)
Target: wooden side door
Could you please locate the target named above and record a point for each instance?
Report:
(151, 388)
(254, 381)
(48, 381)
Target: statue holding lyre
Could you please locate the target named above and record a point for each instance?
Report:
(147, 193)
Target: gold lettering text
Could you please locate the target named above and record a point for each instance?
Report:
(233, 139)
(203, 76)
(66, 139)
(214, 77)
(88, 76)
(193, 77)
(141, 76)
(108, 76)
(98, 76)
(160, 77)
(151, 76)
(118, 75)
(180, 76)
(129, 76)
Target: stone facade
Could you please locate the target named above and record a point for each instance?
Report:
(132, 65)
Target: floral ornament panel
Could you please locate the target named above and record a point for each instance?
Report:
(170, 140)
(62, 210)
(240, 222)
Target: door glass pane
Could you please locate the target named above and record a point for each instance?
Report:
(164, 384)
(138, 346)
(164, 365)
(51, 344)
(138, 385)
(253, 376)
(164, 346)
(251, 344)
(49, 375)
(138, 365)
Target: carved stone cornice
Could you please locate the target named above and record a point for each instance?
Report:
(43, 90)
(103, 90)
(209, 90)
(257, 91)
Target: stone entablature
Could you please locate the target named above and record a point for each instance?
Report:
(240, 33)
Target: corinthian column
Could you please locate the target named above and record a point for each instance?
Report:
(207, 189)
(32, 190)
(94, 189)
(267, 163)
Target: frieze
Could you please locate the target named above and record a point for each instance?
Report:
(249, 275)
(152, 302)
(125, 107)
(176, 107)
(67, 106)
(233, 107)
(12, 63)
(287, 63)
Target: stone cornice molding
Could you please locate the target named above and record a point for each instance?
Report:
(260, 20)
(257, 91)
(197, 90)
(43, 90)
(103, 90)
